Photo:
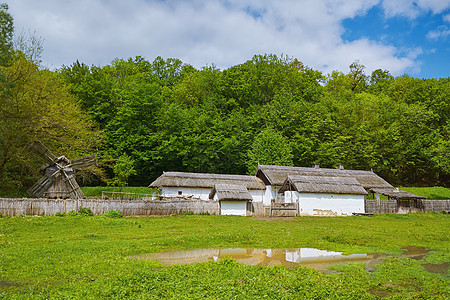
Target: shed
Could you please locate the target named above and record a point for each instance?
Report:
(233, 199)
(199, 185)
(393, 193)
(406, 202)
(322, 195)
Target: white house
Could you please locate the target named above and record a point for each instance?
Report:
(321, 195)
(200, 185)
(274, 177)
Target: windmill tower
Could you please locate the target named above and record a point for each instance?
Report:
(59, 174)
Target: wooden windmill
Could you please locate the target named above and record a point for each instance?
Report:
(59, 174)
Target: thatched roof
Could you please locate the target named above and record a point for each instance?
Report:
(276, 175)
(396, 194)
(323, 185)
(230, 192)
(203, 180)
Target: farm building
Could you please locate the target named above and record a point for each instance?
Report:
(233, 199)
(406, 202)
(199, 185)
(321, 195)
(280, 189)
(275, 176)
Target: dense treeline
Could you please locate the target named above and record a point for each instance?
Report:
(165, 115)
(143, 118)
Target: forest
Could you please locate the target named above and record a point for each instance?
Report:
(142, 117)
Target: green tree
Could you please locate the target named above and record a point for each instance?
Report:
(123, 169)
(6, 35)
(36, 105)
(269, 148)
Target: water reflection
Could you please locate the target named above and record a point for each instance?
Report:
(310, 257)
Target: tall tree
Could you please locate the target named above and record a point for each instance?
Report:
(36, 105)
(6, 35)
(269, 148)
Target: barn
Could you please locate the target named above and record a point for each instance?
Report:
(200, 185)
(322, 195)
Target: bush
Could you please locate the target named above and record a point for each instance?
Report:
(82, 212)
(113, 214)
(60, 214)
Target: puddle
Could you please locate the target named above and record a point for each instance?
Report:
(416, 253)
(310, 257)
(437, 268)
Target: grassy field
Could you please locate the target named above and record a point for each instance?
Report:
(432, 193)
(87, 257)
(96, 191)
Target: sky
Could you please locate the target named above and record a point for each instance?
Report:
(401, 36)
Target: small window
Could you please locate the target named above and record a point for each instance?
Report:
(180, 192)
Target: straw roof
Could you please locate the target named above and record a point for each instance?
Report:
(323, 185)
(396, 193)
(276, 175)
(230, 192)
(204, 180)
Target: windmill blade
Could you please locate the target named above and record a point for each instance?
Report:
(43, 151)
(84, 162)
(42, 185)
(74, 189)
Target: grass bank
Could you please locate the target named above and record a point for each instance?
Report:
(87, 257)
(432, 193)
(96, 191)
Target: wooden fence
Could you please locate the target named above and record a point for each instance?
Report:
(399, 207)
(132, 207)
(166, 206)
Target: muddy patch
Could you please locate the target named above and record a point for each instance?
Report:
(436, 268)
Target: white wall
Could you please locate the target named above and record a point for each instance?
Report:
(238, 208)
(328, 204)
(202, 193)
(258, 195)
(269, 194)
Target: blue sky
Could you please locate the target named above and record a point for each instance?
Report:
(402, 36)
(406, 33)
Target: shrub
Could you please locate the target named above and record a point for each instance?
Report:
(113, 214)
(85, 211)
(82, 212)
(60, 214)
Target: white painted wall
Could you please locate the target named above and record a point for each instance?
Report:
(269, 194)
(328, 204)
(238, 208)
(202, 193)
(289, 197)
(258, 195)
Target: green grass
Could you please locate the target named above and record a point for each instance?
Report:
(87, 257)
(432, 193)
(96, 191)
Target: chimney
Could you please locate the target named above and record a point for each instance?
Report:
(340, 167)
(316, 165)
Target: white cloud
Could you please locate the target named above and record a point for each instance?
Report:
(442, 32)
(446, 18)
(223, 32)
(412, 8)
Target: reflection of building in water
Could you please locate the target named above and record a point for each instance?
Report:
(316, 255)
(315, 258)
